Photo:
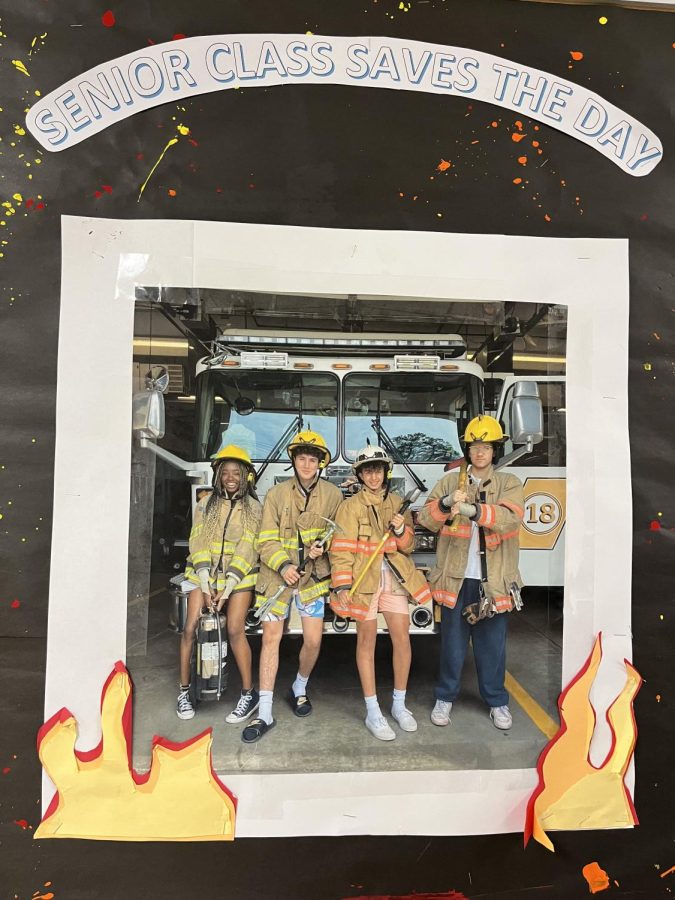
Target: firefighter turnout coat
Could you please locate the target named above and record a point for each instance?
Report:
(364, 519)
(232, 548)
(291, 522)
(499, 498)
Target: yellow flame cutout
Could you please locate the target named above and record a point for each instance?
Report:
(573, 794)
(100, 797)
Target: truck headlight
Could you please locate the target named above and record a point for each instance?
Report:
(425, 541)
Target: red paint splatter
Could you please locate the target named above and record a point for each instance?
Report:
(21, 823)
(107, 188)
(29, 203)
(39, 205)
(219, 190)
(108, 18)
(654, 525)
(517, 137)
(140, 156)
(178, 37)
(522, 160)
(6, 770)
(193, 142)
(15, 604)
(576, 55)
(251, 186)
(643, 217)
(443, 165)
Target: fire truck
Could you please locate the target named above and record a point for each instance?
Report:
(413, 395)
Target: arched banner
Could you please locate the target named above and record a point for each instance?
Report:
(174, 71)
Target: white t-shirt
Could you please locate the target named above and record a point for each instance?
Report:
(473, 569)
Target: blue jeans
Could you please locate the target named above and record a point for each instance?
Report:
(489, 649)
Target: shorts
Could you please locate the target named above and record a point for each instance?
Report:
(312, 610)
(390, 596)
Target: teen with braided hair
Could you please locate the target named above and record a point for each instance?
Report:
(223, 566)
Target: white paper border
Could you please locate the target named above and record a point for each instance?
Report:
(87, 611)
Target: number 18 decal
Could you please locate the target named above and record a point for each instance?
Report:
(542, 513)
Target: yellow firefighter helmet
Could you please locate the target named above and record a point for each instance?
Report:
(484, 428)
(310, 440)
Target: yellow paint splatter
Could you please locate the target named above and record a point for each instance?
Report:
(603, 20)
(159, 159)
(20, 66)
(183, 129)
(19, 130)
(646, 366)
(17, 197)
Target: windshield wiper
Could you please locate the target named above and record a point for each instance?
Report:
(387, 444)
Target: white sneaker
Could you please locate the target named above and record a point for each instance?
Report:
(440, 714)
(380, 728)
(405, 719)
(501, 717)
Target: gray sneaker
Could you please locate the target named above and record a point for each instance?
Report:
(501, 717)
(440, 714)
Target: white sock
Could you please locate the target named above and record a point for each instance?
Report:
(265, 708)
(373, 710)
(300, 685)
(398, 704)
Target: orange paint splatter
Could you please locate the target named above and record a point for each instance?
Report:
(108, 18)
(672, 868)
(494, 124)
(443, 165)
(535, 143)
(519, 125)
(547, 217)
(171, 192)
(658, 698)
(48, 896)
(576, 55)
(517, 137)
(517, 180)
(597, 878)
(522, 160)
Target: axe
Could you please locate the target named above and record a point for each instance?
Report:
(408, 500)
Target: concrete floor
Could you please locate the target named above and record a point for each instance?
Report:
(334, 738)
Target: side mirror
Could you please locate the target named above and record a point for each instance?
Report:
(147, 417)
(147, 410)
(526, 414)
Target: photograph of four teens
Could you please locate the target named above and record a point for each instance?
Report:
(308, 547)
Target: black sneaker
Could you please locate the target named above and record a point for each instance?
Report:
(184, 708)
(247, 705)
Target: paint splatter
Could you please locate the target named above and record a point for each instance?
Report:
(647, 367)
(547, 217)
(183, 129)
(179, 37)
(597, 878)
(654, 525)
(22, 823)
(576, 55)
(443, 165)
(170, 143)
(15, 604)
(522, 160)
(603, 20)
(21, 67)
(108, 18)
(171, 192)
(667, 872)
(517, 180)
(516, 138)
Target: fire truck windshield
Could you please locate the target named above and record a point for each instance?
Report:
(422, 412)
(252, 409)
